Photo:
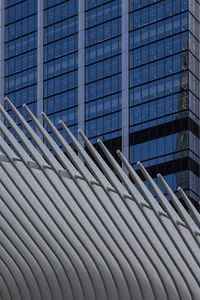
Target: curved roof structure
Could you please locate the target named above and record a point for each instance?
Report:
(71, 229)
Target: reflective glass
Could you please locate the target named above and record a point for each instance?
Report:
(163, 80)
(21, 53)
(61, 62)
(103, 69)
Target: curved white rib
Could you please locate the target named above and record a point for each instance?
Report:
(71, 229)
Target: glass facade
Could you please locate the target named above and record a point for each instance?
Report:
(21, 53)
(103, 69)
(164, 90)
(162, 75)
(61, 62)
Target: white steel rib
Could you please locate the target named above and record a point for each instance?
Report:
(72, 229)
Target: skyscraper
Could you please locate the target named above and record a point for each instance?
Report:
(126, 72)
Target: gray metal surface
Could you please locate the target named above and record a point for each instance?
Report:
(72, 229)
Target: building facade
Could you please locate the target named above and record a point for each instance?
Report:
(126, 72)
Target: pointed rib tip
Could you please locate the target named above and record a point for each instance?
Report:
(80, 132)
(99, 141)
(63, 125)
(139, 164)
(118, 152)
(7, 100)
(179, 189)
(159, 175)
(24, 105)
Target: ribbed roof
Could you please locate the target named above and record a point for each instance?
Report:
(72, 229)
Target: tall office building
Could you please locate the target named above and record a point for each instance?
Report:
(126, 72)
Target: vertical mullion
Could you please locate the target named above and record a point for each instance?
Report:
(81, 64)
(40, 58)
(2, 49)
(125, 79)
